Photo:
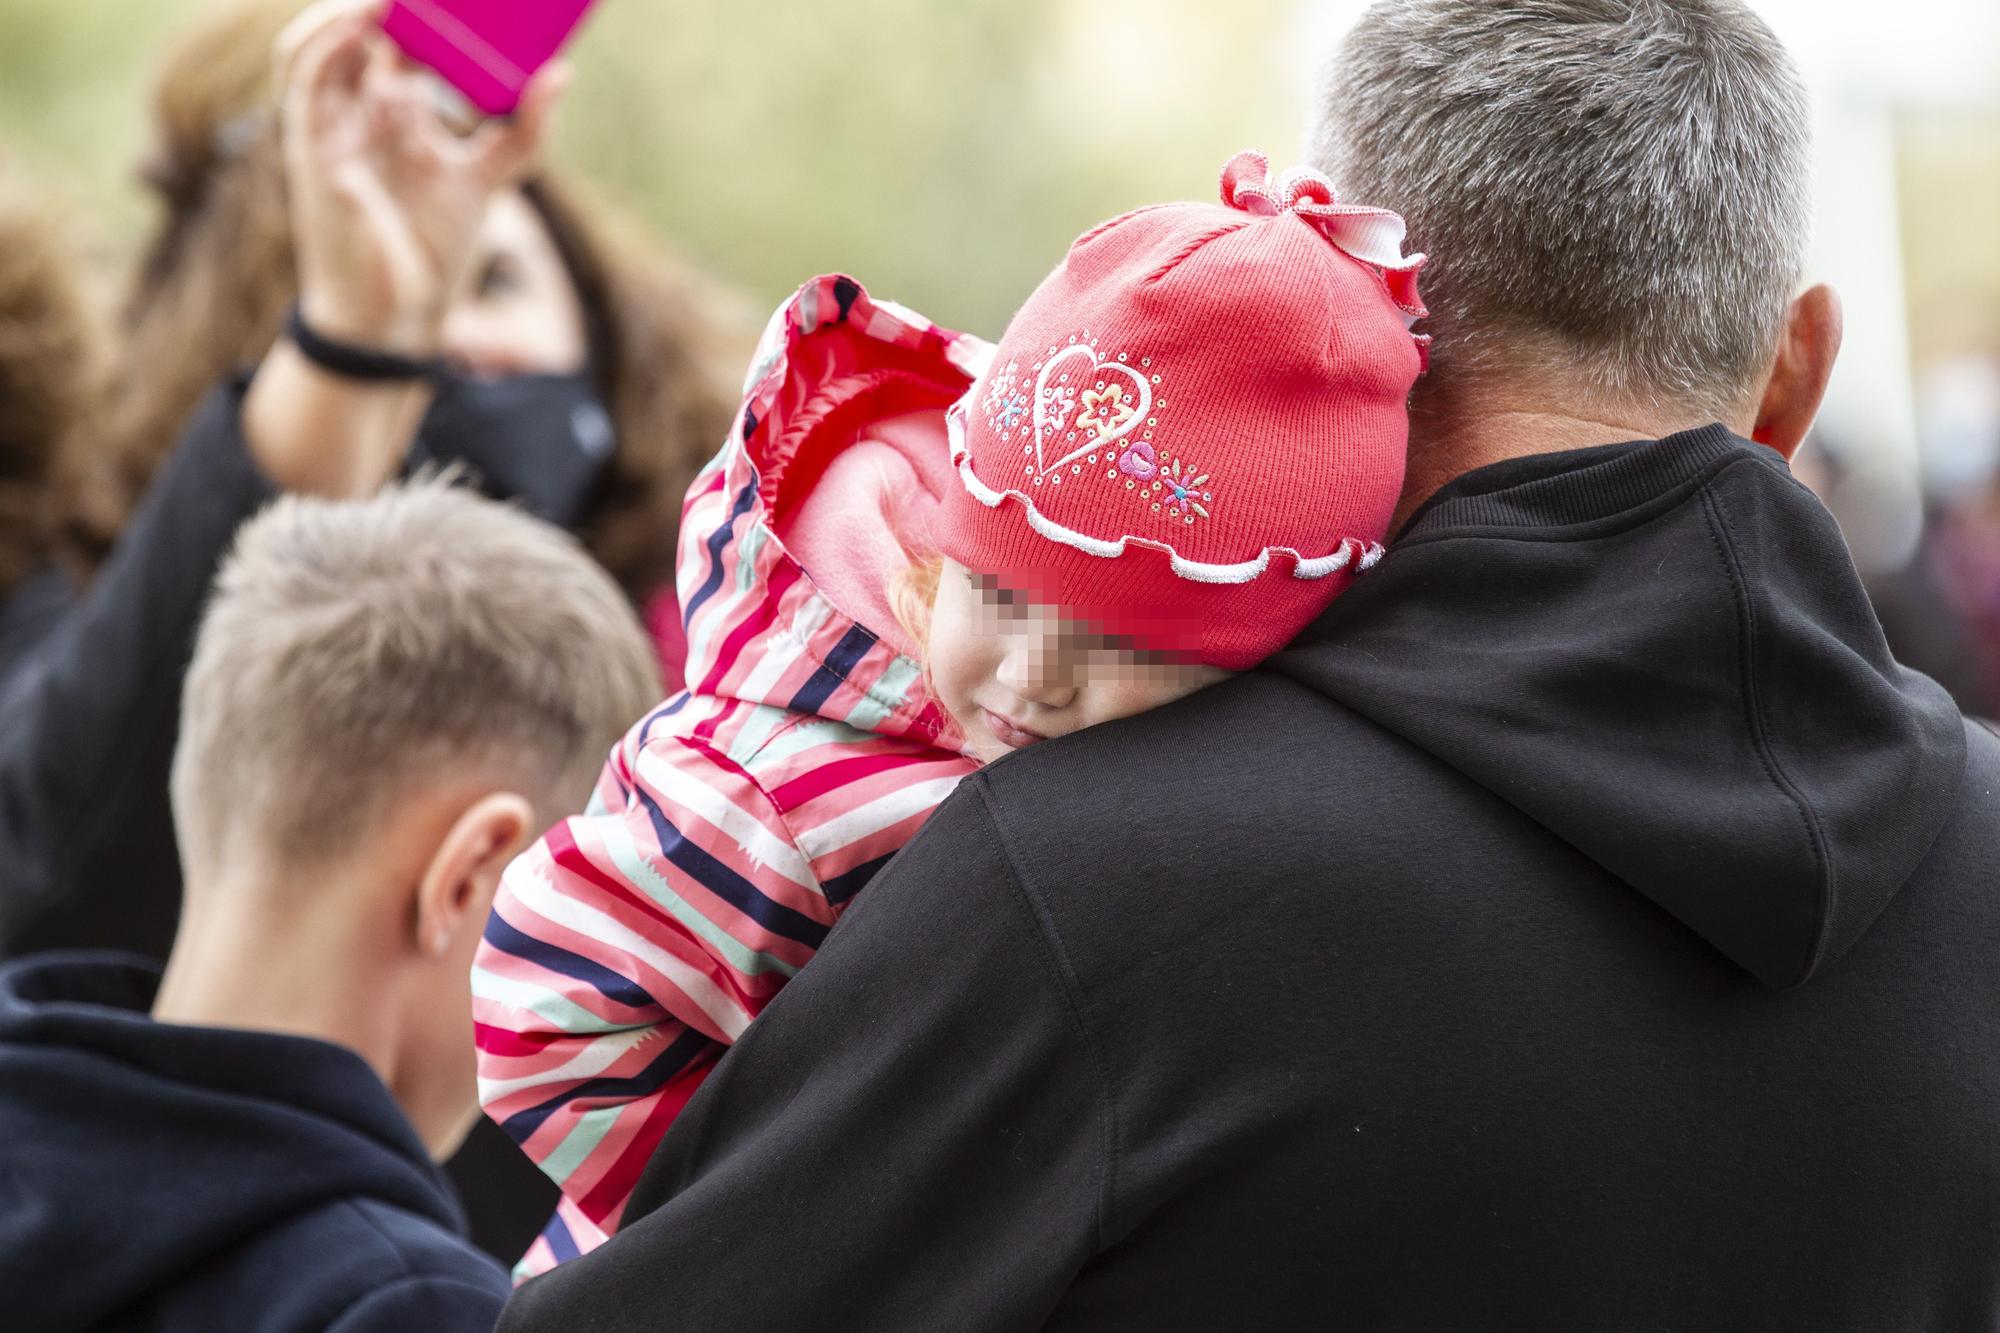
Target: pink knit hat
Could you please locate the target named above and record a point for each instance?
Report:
(1192, 434)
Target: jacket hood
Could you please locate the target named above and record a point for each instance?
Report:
(1660, 653)
(137, 1151)
(822, 491)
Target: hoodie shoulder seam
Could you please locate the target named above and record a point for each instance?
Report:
(1056, 956)
(464, 1298)
(400, 1260)
(406, 1270)
(1746, 615)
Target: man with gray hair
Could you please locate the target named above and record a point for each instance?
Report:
(1585, 925)
(1617, 196)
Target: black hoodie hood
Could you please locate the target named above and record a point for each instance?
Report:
(137, 1152)
(1664, 657)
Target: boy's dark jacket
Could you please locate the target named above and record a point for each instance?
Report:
(164, 1178)
(1585, 926)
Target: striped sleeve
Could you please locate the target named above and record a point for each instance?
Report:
(626, 948)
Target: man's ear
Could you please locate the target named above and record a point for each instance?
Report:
(458, 885)
(1806, 353)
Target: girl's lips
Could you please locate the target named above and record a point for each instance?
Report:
(1007, 731)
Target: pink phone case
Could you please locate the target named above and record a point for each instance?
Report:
(487, 49)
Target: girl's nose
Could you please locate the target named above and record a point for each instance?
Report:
(1037, 674)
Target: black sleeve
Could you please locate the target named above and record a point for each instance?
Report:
(89, 717)
(912, 1136)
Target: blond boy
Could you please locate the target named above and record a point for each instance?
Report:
(388, 700)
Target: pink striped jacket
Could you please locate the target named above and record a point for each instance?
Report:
(733, 824)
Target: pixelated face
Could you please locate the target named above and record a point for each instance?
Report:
(1012, 673)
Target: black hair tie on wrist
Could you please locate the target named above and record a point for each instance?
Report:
(352, 362)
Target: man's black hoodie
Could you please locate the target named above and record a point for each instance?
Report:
(164, 1178)
(1586, 925)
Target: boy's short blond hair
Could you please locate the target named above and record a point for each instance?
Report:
(354, 649)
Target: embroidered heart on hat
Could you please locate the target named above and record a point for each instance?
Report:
(1106, 411)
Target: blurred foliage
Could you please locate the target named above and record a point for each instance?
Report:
(943, 152)
(1948, 178)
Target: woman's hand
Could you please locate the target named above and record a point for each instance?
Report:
(385, 198)
(385, 202)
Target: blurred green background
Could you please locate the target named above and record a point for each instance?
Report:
(945, 151)
(942, 152)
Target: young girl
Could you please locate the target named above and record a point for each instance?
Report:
(1188, 442)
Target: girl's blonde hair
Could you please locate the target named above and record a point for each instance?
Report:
(911, 590)
(912, 593)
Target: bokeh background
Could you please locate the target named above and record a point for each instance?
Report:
(945, 151)
(942, 150)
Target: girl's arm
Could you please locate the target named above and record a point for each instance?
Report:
(626, 949)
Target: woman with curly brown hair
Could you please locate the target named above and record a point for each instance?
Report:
(48, 358)
(565, 368)
(550, 289)
(403, 294)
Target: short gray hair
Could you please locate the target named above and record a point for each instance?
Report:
(354, 649)
(1626, 183)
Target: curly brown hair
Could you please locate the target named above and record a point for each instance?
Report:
(48, 363)
(215, 279)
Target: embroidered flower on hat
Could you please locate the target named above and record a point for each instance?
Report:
(1002, 383)
(1140, 461)
(1106, 410)
(1184, 490)
(1005, 404)
(1058, 401)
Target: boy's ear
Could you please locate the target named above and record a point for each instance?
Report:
(457, 887)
